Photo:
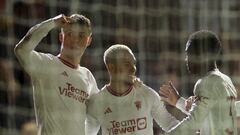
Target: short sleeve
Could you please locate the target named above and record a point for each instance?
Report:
(92, 124)
(37, 63)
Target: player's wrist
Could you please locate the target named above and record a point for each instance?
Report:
(176, 100)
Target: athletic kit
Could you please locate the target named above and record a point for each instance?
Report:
(131, 113)
(215, 112)
(60, 91)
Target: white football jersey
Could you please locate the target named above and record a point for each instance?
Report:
(215, 112)
(60, 93)
(132, 113)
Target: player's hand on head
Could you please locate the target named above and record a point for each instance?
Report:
(61, 20)
(169, 93)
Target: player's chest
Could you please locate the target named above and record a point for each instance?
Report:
(120, 109)
(69, 85)
(125, 117)
(67, 78)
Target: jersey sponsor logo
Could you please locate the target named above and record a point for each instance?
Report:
(64, 73)
(138, 104)
(108, 110)
(141, 123)
(73, 92)
(127, 126)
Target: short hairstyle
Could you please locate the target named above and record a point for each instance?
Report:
(81, 20)
(204, 42)
(112, 53)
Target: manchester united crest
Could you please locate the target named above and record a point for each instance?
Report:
(138, 104)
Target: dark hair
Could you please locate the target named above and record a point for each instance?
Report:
(204, 42)
(82, 21)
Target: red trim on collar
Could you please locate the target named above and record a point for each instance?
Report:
(67, 63)
(113, 92)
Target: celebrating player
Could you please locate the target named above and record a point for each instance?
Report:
(61, 86)
(214, 113)
(120, 108)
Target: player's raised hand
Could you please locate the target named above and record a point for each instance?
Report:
(62, 20)
(169, 93)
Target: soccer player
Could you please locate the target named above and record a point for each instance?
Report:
(60, 85)
(214, 112)
(120, 108)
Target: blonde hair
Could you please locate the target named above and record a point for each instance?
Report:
(112, 53)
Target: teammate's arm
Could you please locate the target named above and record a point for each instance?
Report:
(92, 124)
(170, 95)
(195, 120)
(192, 123)
(25, 48)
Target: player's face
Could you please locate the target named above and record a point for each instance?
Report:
(125, 68)
(76, 36)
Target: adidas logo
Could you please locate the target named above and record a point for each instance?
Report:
(108, 110)
(64, 73)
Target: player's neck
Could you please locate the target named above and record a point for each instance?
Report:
(205, 69)
(69, 60)
(118, 87)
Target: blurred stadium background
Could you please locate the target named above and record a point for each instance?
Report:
(156, 31)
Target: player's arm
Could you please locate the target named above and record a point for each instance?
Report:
(92, 125)
(25, 48)
(170, 95)
(192, 123)
(164, 119)
(160, 114)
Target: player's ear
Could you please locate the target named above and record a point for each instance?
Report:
(89, 40)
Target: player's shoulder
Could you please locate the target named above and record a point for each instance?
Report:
(103, 91)
(146, 90)
(214, 85)
(46, 59)
(46, 56)
(216, 76)
(85, 69)
(100, 95)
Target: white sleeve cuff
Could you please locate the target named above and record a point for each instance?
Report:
(181, 105)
